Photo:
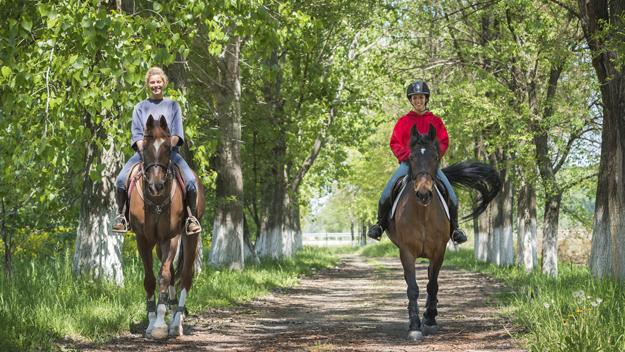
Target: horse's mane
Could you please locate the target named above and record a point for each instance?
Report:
(423, 140)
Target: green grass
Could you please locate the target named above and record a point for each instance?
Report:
(45, 302)
(544, 308)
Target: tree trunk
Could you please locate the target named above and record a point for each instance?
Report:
(363, 235)
(278, 237)
(250, 250)
(607, 254)
(507, 233)
(496, 217)
(178, 76)
(481, 224)
(352, 231)
(481, 240)
(98, 251)
(227, 247)
(526, 226)
(550, 235)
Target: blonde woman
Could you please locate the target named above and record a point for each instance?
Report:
(157, 105)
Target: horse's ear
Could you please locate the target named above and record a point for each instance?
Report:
(163, 122)
(414, 131)
(150, 122)
(432, 132)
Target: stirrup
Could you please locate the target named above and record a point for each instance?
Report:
(192, 220)
(123, 222)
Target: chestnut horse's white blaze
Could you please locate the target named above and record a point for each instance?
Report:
(157, 143)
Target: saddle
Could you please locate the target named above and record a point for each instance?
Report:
(136, 171)
(401, 182)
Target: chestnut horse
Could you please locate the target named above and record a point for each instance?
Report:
(420, 228)
(157, 217)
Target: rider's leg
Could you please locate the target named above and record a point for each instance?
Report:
(456, 234)
(121, 223)
(384, 205)
(193, 225)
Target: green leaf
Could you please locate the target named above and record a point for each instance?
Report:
(157, 7)
(78, 64)
(27, 24)
(100, 167)
(6, 71)
(150, 25)
(108, 103)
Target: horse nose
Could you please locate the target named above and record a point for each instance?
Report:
(159, 187)
(424, 198)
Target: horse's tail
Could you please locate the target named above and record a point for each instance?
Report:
(477, 176)
(180, 266)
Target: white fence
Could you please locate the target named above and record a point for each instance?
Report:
(332, 239)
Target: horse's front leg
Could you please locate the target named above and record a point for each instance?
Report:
(408, 262)
(168, 252)
(429, 322)
(187, 258)
(149, 281)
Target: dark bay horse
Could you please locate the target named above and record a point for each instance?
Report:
(157, 216)
(420, 228)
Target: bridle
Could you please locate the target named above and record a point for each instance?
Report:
(154, 208)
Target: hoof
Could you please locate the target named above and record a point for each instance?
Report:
(430, 330)
(175, 331)
(159, 333)
(415, 335)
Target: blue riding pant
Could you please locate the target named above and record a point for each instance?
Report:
(189, 177)
(403, 170)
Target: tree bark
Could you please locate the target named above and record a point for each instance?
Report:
(227, 247)
(496, 218)
(507, 231)
(481, 225)
(98, 250)
(607, 256)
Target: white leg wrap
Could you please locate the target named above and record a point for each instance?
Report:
(172, 296)
(175, 329)
(151, 321)
(160, 327)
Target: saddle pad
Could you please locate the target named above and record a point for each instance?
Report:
(402, 191)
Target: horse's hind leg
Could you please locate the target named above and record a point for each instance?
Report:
(408, 262)
(187, 256)
(173, 299)
(429, 322)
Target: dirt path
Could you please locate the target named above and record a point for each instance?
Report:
(351, 307)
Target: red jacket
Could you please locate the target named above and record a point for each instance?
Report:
(401, 133)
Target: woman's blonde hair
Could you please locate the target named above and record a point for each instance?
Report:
(156, 71)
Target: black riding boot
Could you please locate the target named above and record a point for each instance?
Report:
(377, 229)
(457, 236)
(122, 223)
(192, 225)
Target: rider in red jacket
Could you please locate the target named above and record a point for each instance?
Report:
(418, 94)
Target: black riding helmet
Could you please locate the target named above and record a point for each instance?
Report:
(418, 87)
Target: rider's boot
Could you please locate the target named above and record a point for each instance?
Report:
(121, 224)
(192, 225)
(457, 236)
(377, 229)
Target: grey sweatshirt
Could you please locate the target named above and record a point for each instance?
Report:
(166, 107)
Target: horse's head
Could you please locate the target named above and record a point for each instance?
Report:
(156, 152)
(424, 158)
